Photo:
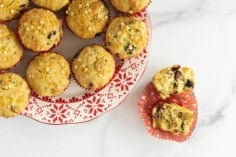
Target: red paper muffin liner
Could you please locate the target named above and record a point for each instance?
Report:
(148, 100)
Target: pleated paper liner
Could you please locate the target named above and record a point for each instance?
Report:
(150, 97)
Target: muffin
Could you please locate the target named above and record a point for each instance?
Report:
(11, 50)
(53, 5)
(172, 118)
(126, 36)
(10, 9)
(39, 30)
(14, 94)
(48, 74)
(94, 67)
(173, 80)
(87, 18)
(130, 6)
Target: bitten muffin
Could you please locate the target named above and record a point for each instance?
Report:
(53, 5)
(172, 118)
(94, 67)
(87, 18)
(39, 30)
(14, 94)
(173, 80)
(48, 74)
(10, 9)
(126, 36)
(130, 6)
(11, 50)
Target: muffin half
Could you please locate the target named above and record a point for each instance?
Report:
(173, 80)
(172, 118)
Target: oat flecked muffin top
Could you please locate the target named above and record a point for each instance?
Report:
(94, 67)
(53, 5)
(39, 30)
(130, 6)
(173, 80)
(87, 18)
(126, 36)
(10, 9)
(172, 118)
(48, 74)
(11, 50)
(14, 94)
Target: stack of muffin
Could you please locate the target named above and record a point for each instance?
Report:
(40, 30)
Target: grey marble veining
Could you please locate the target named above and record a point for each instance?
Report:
(196, 33)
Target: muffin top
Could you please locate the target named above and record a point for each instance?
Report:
(172, 118)
(14, 94)
(173, 80)
(53, 5)
(11, 50)
(48, 74)
(39, 30)
(93, 67)
(126, 36)
(87, 18)
(9, 9)
(130, 6)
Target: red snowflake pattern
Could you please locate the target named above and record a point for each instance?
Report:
(58, 113)
(75, 107)
(123, 82)
(94, 106)
(142, 15)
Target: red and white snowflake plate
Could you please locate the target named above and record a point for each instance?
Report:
(77, 105)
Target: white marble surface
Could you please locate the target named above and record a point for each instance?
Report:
(197, 33)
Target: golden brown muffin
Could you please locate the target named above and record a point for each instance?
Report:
(48, 74)
(94, 67)
(14, 94)
(87, 18)
(11, 50)
(130, 6)
(53, 5)
(172, 118)
(9, 9)
(173, 80)
(39, 30)
(126, 36)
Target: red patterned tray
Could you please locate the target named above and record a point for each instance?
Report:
(77, 105)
